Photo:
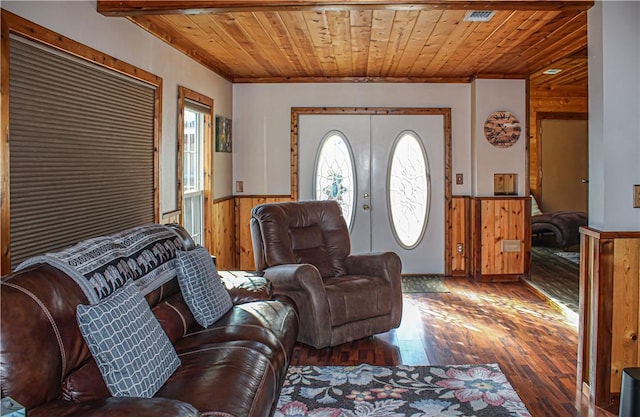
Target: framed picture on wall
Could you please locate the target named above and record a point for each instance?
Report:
(223, 134)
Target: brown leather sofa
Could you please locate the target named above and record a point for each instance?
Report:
(303, 248)
(235, 367)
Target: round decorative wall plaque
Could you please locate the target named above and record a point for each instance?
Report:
(502, 129)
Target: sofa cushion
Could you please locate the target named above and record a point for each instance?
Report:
(202, 288)
(133, 353)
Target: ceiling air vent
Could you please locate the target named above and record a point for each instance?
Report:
(479, 15)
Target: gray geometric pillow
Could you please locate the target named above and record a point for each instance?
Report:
(134, 354)
(202, 289)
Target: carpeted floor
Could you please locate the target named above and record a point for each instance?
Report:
(416, 391)
(419, 283)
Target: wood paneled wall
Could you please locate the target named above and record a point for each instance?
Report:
(460, 233)
(544, 102)
(244, 246)
(497, 219)
(609, 313)
(231, 233)
(223, 235)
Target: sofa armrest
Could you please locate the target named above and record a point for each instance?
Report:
(112, 406)
(303, 284)
(386, 265)
(246, 287)
(382, 264)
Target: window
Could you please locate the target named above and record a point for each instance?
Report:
(195, 159)
(409, 189)
(82, 151)
(334, 174)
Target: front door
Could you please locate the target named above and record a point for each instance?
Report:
(387, 171)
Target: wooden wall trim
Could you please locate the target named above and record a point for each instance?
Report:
(14, 24)
(444, 111)
(588, 231)
(609, 313)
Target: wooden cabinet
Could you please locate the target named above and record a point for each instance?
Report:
(609, 313)
(501, 238)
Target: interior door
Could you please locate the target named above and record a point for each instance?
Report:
(565, 165)
(371, 139)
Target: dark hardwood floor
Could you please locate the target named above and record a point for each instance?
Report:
(533, 342)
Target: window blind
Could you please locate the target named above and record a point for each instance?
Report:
(81, 150)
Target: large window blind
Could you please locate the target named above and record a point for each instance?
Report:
(81, 150)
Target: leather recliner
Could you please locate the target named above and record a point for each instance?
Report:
(303, 248)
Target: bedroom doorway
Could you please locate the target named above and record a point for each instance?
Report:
(564, 145)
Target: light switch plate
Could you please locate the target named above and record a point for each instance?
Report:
(636, 196)
(239, 186)
(459, 179)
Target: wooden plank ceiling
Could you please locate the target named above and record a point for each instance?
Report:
(368, 41)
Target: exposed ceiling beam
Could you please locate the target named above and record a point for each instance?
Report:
(149, 7)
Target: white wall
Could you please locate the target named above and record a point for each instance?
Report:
(262, 127)
(614, 114)
(124, 40)
(490, 96)
(262, 124)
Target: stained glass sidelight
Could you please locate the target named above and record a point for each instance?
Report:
(334, 173)
(409, 189)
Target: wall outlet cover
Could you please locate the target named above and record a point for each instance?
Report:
(511, 245)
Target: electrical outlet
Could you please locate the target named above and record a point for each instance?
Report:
(459, 179)
(239, 186)
(460, 248)
(636, 196)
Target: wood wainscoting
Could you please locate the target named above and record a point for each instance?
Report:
(460, 234)
(231, 232)
(501, 238)
(609, 313)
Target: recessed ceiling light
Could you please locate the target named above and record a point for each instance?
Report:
(551, 71)
(479, 15)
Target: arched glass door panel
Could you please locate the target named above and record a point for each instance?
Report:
(409, 189)
(334, 174)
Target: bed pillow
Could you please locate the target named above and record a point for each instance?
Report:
(535, 210)
(201, 286)
(133, 353)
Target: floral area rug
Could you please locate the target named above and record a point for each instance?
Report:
(411, 391)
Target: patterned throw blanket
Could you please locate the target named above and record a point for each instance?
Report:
(145, 254)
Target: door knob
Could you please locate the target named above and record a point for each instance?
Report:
(366, 207)
(365, 195)
(585, 181)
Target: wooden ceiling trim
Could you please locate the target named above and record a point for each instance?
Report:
(140, 7)
(363, 80)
